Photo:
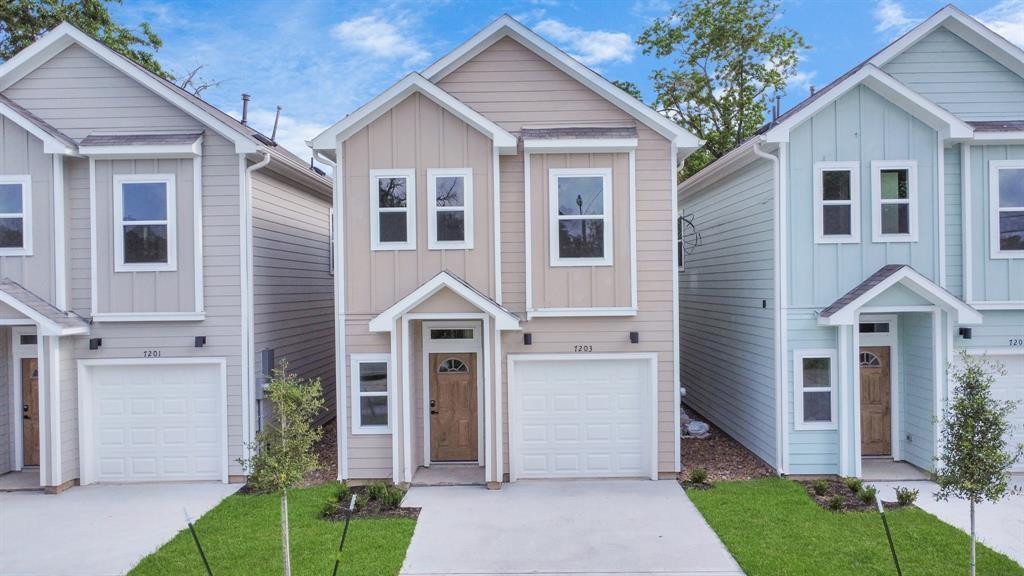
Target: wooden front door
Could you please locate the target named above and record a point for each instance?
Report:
(875, 401)
(453, 410)
(30, 410)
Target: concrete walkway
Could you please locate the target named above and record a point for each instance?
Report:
(96, 530)
(563, 527)
(1000, 526)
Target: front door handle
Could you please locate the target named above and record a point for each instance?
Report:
(433, 406)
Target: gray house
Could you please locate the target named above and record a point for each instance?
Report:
(850, 250)
(155, 254)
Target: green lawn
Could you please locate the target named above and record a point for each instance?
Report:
(242, 536)
(773, 528)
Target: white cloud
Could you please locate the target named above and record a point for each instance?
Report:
(1006, 19)
(381, 38)
(890, 17)
(292, 132)
(592, 47)
(802, 80)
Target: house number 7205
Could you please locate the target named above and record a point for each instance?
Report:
(583, 348)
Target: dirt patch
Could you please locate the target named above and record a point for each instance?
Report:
(835, 487)
(336, 510)
(327, 455)
(723, 457)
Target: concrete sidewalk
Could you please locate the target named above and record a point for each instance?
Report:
(563, 527)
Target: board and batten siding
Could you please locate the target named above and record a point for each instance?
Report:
(859, 126)
(68, 378)
(954, 221)
(959, 77)
(992, 279)
(727, 311)
(293, 288)
(917, 389)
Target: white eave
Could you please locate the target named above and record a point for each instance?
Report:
(193, 150)
(503, 319)
(583, 145)
(504, 141)
(504, 26)
(51, 143)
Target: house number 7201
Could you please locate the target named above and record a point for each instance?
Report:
(1016, 341)
(583, 348)
(150, 353)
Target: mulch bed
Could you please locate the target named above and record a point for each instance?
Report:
(723, 457)
(371, 509)
(327, 455)
(836, 487)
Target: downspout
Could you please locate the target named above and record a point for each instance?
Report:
(780, 365)
(248, 321)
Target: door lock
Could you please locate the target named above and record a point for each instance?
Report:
(433, 406)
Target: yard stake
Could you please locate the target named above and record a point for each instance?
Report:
(892, 547)
(341, 546)
(195, 538)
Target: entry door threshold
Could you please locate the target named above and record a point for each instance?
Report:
(450, 474)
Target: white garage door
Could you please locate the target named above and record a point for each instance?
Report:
(159, 422)
(1011, 387)
(582, 418)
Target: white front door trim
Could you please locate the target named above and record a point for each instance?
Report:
(18, 352)
(890, 339)
(431, 346)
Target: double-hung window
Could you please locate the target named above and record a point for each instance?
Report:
(836, 202)
(370, 393)
(450, 203)
(393, 209)
(580, 216)
(1006, 203)
(15, 215)
(815, 375)
(144, 223)
(894, 197)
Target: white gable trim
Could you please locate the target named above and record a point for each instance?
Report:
(969, 29)
(413, 82)
(51, 144)
(47, 327)
(888, 87)
(503, 319)
(911, 279)
(582, 145)
(193, 150)
(509, 26)
(64, 35)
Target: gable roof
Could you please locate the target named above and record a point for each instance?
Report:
(504, 319)
(51, 320)
(509, 26)
(399, 91)
(54, 141)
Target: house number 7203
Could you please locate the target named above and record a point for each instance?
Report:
(1016, 341)
(583, 348)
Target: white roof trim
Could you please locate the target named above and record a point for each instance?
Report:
(509, 26)
(971, 30)
(560, 145)
(920, 285)
(51, 144)
(47, 326)
(503, 319)
(1010, 137)
(64, 35)
(413, 82)
(890, 88)
(723, 167)
(192, 150)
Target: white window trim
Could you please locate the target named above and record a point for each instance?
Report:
(467, 209)
(994, 166)
(410, 210)
(172, 223)
(798, 388)
(876, 200)
(354, 361)
(26, 215)
(819, 202)
(553, 218)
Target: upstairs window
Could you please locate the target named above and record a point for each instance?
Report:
(836, 202)
(580, 216)
(894, 193)
(1006, 201)
(815, 376)
(392, 210)
(450, 218)
(144, 223)
(370, 394)
(15, 215)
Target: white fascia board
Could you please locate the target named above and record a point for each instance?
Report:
(888, 87)
(509, 26)
(582, 145)
(193, 150)
(51, 145)
(46, 326)
(503, 320)
(1009, 137)
(724, 166)
(413, 82)
(64, 35)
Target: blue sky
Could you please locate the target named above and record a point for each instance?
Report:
(320, 60)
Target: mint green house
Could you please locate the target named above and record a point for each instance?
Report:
(853, 246)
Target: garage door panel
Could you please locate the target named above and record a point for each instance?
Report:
(1010, 386)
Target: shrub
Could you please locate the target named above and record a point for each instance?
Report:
(867, 494)
(836, 503)
(392, 497)
(376, 491)
(906, 496)
(698, 476)
(854, 484)
(820, 487)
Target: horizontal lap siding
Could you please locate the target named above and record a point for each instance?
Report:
(954, 222)
(6, 394)
(727, 308)
(68, 409)
(917, 390)
(810, 451)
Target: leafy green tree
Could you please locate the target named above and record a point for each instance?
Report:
(730, 58)
(629, 88)
(283, 452)
(24, 21)
(974, 463)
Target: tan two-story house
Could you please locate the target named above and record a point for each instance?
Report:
(505, 294)
(157, 258)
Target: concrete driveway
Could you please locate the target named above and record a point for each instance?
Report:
(96, 530)
(563, 527)
(1000, 526)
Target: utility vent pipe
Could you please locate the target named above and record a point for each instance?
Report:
(277, 117)
(245, 108)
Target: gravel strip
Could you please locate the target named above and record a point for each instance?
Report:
(723, 457)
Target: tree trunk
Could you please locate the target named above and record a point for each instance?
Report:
(285, 550)
(972, 538)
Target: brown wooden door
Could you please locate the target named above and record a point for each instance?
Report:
(875, 401)
(30, 410)
(453, 411)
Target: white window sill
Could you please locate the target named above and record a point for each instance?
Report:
(815, 426)
(371, 431)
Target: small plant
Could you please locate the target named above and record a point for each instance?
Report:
(392, 497)
(699, 476)
(339, 499)
(905, 496)
(836, 503)
(867, 494)
(854, 484)
(376, 491)
(820, 487)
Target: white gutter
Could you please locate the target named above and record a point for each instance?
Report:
(248, 326)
